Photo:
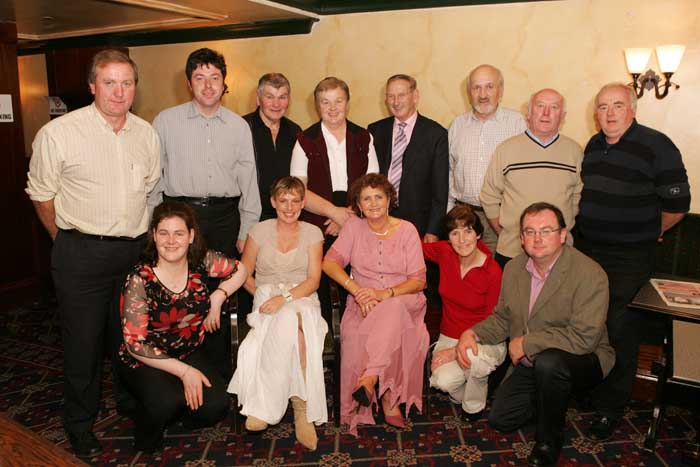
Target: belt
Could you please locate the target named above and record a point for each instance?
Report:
(474, 208)
(205, 201)
(104, 238)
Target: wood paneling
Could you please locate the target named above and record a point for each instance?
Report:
(66, 73)
(21, 447)
(18, 256)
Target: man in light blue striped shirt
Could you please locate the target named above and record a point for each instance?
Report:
(208, 162)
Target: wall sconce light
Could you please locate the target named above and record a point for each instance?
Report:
(668, 56)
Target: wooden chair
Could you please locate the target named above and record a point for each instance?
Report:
(331, 350)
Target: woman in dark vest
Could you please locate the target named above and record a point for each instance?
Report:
(328, 157)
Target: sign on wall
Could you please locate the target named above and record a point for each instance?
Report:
(56, 106)
(6, 114)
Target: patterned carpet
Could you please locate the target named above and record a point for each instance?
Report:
(31, 393)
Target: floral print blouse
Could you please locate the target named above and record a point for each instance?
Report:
(160, 323)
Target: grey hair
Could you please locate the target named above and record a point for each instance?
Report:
(501, 82)
(619, 85)
(532, 100)
(276, 80)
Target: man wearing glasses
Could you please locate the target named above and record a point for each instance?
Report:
(538, 165)
(553, 306)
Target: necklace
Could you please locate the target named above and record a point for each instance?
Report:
(379, 234)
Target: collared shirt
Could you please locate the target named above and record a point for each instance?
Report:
(465, 300)
(98, 179)
(627, 186)
(472, 143)
(536, 285)
(544, 144)
(204, 157)
(537, 282)
(337, 160)
(272, 158)
(408, 129)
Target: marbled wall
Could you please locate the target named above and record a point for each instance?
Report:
(571, 45)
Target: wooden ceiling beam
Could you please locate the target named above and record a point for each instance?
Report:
(171, 7)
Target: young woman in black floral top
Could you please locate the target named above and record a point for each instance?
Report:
(166, 308)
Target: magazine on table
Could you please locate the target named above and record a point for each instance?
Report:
(678, 293)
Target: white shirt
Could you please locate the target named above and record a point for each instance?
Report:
(472, 142)
(98, 179)
(337, 160)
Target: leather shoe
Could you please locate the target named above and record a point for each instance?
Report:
(543, 455)
(472, 417)
(601, 429)
(85, 445)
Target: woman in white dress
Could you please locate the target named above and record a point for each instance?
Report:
(281, 357)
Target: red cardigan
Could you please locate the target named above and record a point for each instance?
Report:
(465, 301)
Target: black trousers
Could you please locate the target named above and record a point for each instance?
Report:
(161, 399)
(220, 225)
(324, 291)
(89, 274)
(501, 260)
(542, 392)
(628, 269)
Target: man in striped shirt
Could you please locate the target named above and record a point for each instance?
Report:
(635, 188)
(539, 165)
(89, 176)
(208, 162)
(472, 138)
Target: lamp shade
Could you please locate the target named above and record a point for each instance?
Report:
(669, 57)
(637, 59)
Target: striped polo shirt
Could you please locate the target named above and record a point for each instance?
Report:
(628, 184)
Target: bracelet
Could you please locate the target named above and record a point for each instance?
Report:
(185, 372)
(225, 293)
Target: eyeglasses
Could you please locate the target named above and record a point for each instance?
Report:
(546, 232)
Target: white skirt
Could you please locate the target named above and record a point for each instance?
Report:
(268, 371)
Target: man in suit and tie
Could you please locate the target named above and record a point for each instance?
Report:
(412, 153)
(553, 306)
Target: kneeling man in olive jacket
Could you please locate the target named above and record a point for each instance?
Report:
(553, 307)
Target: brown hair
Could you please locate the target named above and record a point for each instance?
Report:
(535, 208)
(107, 56)
(331, 82)
(377, 181)
(166, 210)
(463, 215)
(410, 79)
(287, 184)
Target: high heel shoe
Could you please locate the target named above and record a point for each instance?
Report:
(395, 420)
(363, 396)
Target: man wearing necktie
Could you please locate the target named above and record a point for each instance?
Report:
(412, 153)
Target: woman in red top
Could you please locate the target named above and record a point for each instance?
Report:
(470, 281)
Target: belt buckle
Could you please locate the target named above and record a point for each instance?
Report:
(205, 201)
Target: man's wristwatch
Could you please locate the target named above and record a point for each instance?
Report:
(287, 295)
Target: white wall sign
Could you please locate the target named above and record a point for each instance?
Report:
(6, 108)
(56, 106)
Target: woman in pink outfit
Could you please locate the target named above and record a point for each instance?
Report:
(383, 336)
